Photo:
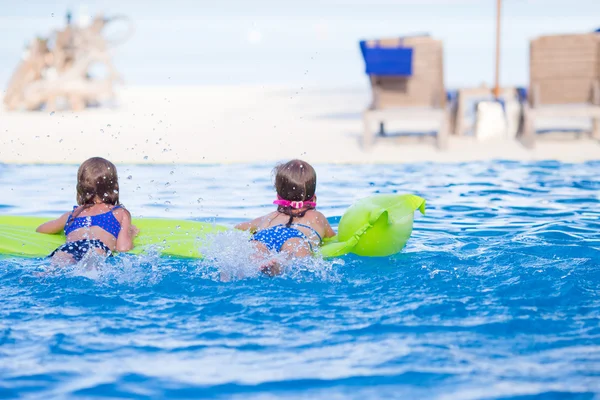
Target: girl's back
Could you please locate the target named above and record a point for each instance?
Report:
(100, 221)
(296, 228)
(312, 224)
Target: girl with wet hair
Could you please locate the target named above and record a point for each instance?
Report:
(99, 222)
(296, 227)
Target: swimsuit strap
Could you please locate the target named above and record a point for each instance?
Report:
(71, 215)
(311, 228)
(110, 225)
(75, 208)
(303, 226)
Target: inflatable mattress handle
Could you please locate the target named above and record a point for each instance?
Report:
(336, 249)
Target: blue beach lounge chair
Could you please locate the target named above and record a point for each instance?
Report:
(407, 84)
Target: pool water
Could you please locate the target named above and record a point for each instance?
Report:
(497, 294)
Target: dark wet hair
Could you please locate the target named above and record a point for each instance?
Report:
(295, 180)
(96, 178)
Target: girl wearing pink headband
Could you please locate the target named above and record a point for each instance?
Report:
(296, 227)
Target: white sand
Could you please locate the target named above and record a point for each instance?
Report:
(216, 124)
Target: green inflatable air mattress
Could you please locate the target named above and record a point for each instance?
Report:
(375, 226)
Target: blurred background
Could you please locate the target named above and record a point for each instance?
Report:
(313, 42)
(167, 81)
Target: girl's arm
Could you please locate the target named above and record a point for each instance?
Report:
(54, 226)
(127, 233)
(245, 226)
(329, 232)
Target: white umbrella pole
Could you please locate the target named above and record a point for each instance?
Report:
(498, 18)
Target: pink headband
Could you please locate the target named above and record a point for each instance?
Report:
(294, 204)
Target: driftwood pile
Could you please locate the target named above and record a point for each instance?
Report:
(55, 71)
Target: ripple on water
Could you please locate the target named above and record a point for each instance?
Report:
(495, 296)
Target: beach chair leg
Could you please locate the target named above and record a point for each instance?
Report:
(381, 129)
(528, 130)
(367, 135)
(459, 120)
(453, 118)
(596, 129)
(443, 132)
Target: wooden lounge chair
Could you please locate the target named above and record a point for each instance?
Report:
(413, 93)
(564, 81)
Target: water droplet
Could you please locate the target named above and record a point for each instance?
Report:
(178, 227)
(172, 172)
(200, 199)
(130, 177)
(52, 15)
(101, 130)
(52, 113)
(167, 184)
(145, 157)
(108, 125)
(167, 202)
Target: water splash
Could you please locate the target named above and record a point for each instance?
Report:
(230, 255)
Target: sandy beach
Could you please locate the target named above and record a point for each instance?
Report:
(245, 124)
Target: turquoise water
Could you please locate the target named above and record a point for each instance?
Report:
(497, 294)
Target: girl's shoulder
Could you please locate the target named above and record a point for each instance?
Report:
(267, 218)
(317, 215)
(120, 212)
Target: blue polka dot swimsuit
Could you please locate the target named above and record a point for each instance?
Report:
(79, 248)
(106, 221)
(276, 236)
